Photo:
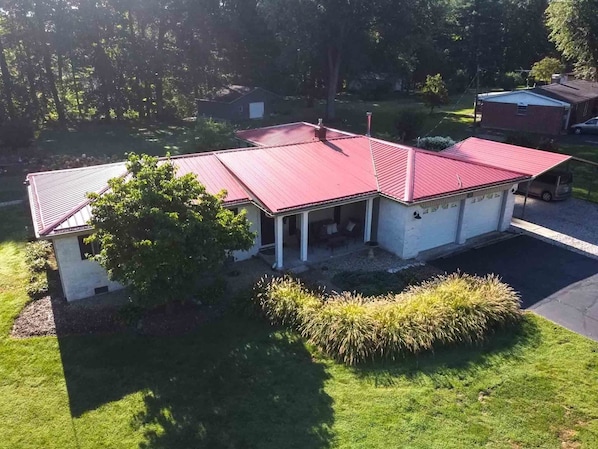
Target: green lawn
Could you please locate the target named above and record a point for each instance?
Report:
(451, 120)
(116, 139)
(238, 383)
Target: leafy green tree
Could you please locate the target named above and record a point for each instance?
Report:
(210, 135)
(159, 232)
(573, 28)
(434, 92)
(544, 69)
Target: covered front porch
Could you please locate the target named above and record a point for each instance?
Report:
(316, 234)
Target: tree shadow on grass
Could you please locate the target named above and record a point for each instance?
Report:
(234, 384)
(463, 361)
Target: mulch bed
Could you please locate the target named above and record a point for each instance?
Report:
(56, 317)
(48, 316)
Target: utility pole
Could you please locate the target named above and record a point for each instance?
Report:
(477, 91)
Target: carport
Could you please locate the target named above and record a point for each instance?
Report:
(511, 157)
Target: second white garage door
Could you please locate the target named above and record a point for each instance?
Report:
(438, 225)
(483, 213)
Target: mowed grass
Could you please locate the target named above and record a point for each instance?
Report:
(239, 383)
(116, 139)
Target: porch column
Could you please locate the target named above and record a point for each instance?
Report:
(278, 240)
(304, 235)
(369, 213)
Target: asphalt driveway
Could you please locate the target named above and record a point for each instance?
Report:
(554, 282)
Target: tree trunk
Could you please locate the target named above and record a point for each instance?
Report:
(160, 70)
(7, 83)
(334, 64)
(30, 74)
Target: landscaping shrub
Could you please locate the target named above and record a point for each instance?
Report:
(210, 135)
(283, 300)
(409, 123)
(352, 328)
(435, 143)
(37, 256)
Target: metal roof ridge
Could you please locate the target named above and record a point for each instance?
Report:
(250, 194)
(63, 170)
(374, 164)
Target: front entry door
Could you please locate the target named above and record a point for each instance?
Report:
(266, 229)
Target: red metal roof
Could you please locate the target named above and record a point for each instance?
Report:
(289, 133)
(509, 157)
(434, 174)
(294, 176)
(59, 198)
(281, 178)
(57, 195)
(212, 174)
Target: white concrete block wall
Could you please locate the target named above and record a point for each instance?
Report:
(253, 216)
(79, 277)
(391, 226)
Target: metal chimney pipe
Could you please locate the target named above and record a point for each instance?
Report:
(369, 116)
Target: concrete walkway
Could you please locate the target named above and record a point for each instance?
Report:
(555, 237)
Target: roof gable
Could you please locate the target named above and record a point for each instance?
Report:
(521, 97)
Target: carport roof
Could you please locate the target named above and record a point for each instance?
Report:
(508, 157)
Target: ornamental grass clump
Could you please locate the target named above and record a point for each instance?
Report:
(343, 327)
(284, 300)
(446, 310)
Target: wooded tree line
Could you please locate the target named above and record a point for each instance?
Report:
(79, 59)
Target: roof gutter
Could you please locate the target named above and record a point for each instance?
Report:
(459, 192)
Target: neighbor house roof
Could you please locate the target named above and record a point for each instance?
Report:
(574, 91)
(509, 157)
(288, 133)
(521, 97)
(280, 179)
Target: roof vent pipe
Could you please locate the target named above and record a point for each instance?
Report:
(409, 176)
(369, 116)
(320, 131)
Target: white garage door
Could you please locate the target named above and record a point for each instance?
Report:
(256, 110)
(438, 225)
(483, 214)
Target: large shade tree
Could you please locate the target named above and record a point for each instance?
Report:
(573, 28)
(158, 232)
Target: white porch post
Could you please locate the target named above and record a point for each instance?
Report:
(304, 235)
(278, 239)
(369, 212)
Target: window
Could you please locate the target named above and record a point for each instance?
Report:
(521, 109)
(100, 290)
(87, 249)
(240, 109)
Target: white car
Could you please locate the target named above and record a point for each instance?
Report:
(589, 126)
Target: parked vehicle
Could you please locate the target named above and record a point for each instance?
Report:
(589, 126)
(552, 185)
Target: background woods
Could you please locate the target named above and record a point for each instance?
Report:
(64, 60)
